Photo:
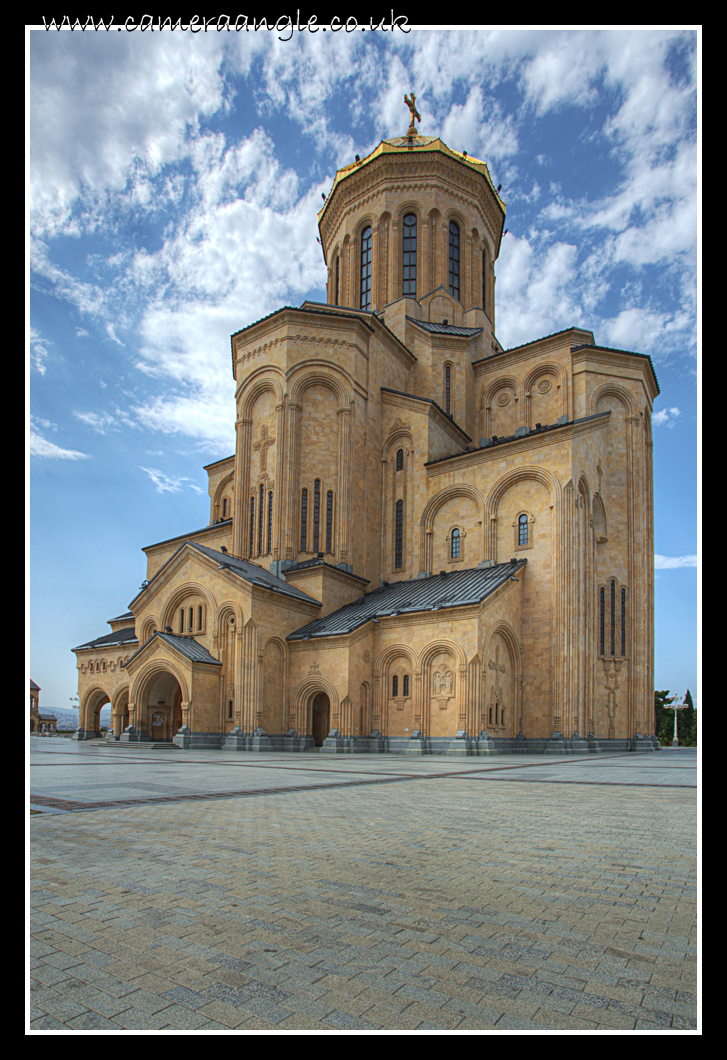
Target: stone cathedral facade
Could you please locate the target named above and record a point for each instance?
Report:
(423, 543)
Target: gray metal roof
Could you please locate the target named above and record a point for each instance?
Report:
(453, 589)
(252, 573)
(121, 636)
(186, 646)
(445, 329)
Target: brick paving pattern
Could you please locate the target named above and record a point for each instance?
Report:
(459, 902)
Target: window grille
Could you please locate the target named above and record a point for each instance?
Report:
(329, 521)
(455, 543)
(454, 259)
(316, 512)
(366, 268)
(399, 536)
(303, 519)
(409, 259)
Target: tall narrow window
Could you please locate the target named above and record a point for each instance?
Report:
(338, 277)
(261, 519)
(409, 260)
(252, 526)
(454, 258)
(406, 684)
(399, 459)
(448, 389)
(316, 512)
(399, 536)
(366, 268)
(484, 275)
(601, 621)
(455, 543)
(224, 508)
(522, 530)
(181, 621)
(303, 519)
(329, 521)
(395, 685)
(191, 619)
(623, 621)
(613, 616)
(270, 521)
(199, 618)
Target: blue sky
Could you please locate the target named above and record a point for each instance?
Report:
(174, 184)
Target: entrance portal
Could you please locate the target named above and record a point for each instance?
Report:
(163, 707)
(321, 718)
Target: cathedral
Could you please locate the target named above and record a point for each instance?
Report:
(423, 543)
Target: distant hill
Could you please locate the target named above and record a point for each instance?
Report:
(68, 719)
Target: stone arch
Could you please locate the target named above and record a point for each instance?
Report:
(426, 526)
(501, 705)
(120, 710)
(274, 707)
(504, 417)
(255, 386)
(607, 393)
(541, 405)
(317, 372)
(180, 595)
(225, 486)
(529, 472)
(142, 688)
(600, 522)
(149, 629)
(443, 670)
(94, 699)
(302, 698)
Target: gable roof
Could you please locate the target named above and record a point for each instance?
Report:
(451, 589)
(121, 636)
(186, 646)
(242, 568)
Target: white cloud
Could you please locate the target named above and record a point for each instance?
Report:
(39, 447)
(38, 352)
(665, 417)
(169, 483)
(668, 562)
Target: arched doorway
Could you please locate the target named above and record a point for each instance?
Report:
(163, 707)
(321, 711)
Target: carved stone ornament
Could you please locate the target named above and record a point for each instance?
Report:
(503, 398)
(367, 656)
(399, 425)
(314, 668)
(544, 386)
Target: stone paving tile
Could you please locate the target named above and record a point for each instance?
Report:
(605, 940)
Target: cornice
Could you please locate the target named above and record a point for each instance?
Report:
(606, 356)
(536, 348)
(556, 434)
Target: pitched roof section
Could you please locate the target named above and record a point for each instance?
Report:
(250, 572)
(445, 329)
(186, 646)
(121, 636)
(453, 589)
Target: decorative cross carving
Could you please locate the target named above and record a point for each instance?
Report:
(263, 444)
(495, 664)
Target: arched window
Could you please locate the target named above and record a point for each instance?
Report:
(448, 389)
(303, 518)
(409, 259)
(613, 616)
(366, 268)
(601, 621)
(224, 507)
(316, 513)
(261, 518)
(455, 543)
(190, 627)
(199, 618)
(270, 521)
(522, 530)
(399, 536)
(252, 526)
(623, 621)
(484, 280)
(395, 685)
(338, 279)
(406, 684)
(329, 521)
(399, 459)
(181, 620)
(454, 259)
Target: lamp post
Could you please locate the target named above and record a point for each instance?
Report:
(676, 706)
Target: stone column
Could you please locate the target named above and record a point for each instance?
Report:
(344, 485)
(240, 538)
(292, 447)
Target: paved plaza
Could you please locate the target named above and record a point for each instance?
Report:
(190, 890)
